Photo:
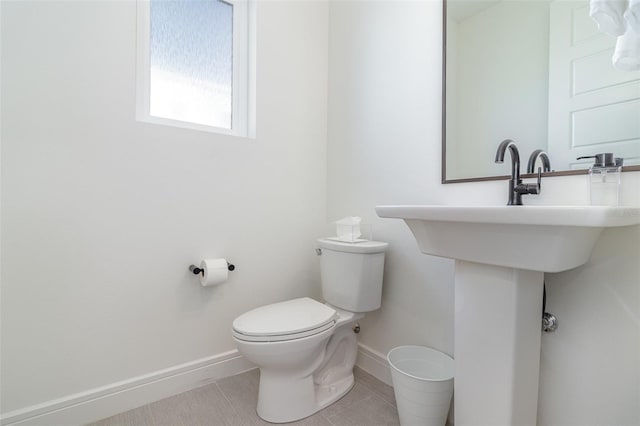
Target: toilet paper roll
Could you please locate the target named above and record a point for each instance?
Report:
(216, 271)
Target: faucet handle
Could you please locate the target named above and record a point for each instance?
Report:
(530, 188)
(539, 182)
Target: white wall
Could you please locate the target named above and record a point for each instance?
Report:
(101, 215)
(384, 148)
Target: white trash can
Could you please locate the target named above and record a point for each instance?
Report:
(423, 385)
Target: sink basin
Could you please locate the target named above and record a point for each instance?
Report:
(537, 238)
(501, 254)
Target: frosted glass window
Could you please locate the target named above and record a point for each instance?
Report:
(191, 61)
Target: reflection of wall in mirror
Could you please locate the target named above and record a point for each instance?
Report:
(451, 101)
(497, 67)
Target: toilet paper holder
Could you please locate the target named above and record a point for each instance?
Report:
(197, 271)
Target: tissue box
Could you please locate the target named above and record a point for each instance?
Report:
(348, 229)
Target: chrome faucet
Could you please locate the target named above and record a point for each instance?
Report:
(546, 162)
(516, 187)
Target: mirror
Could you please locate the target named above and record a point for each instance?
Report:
(540, 73)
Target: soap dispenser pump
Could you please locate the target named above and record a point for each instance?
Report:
(604, 179)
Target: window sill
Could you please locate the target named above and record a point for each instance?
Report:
(193, 126)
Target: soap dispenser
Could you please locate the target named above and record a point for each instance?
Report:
(604, 179)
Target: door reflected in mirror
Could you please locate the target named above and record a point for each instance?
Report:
(538, 72)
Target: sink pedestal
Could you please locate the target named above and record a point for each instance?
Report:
(498, 313)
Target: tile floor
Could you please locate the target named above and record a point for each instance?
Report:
(232, 401)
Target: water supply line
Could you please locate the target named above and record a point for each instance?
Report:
(549, 321)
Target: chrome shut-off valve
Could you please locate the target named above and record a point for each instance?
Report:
(549, 322)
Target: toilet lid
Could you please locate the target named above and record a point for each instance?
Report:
(286, 318)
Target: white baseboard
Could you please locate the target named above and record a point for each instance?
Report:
(374, 363)
(105, 401)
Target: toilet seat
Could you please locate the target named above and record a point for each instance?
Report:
(283, 337)
(290, 320)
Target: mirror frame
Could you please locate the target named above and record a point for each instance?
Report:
(443, 161)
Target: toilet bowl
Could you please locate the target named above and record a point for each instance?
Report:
(303, 367)
(306, 350)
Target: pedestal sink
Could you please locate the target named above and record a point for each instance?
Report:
(501, 254)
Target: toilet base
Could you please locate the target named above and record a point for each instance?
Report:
(284, 400)
(293, 393)
(327, 395)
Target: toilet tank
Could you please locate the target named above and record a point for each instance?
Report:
(352, 274)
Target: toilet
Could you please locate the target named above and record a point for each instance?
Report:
(305, 349)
